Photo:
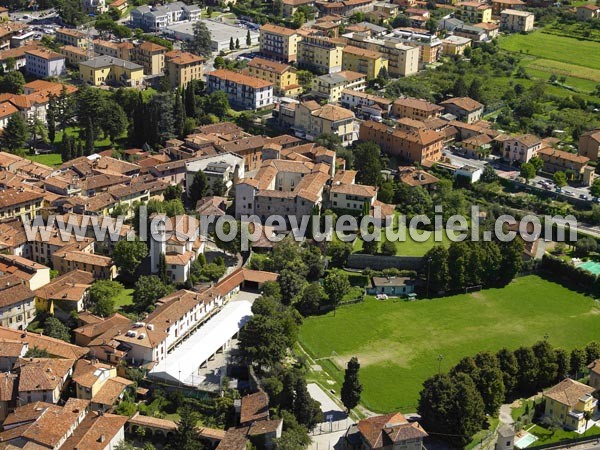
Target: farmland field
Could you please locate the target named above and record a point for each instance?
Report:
(398, 343)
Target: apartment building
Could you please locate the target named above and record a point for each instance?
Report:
(474, 12)
(499, 5)
(517, 21)
(157, 18)
(330, 86)
(413, 146)
(244, 91)
(105, 70)
(283, 76)
(42, 380)
(352, 197)
(44, 63)
(320, 54)
(361, 60)
(17, 304)
(7, 109)
(561, 161)
(183, 67)
(429, 44)
(291, 6)
(150, 56)
(366, 106)
(68, 36)
(312, 120)
(344, 8)
(464, 108)
(19, 202)
(521, 148)
(455, 45)
(415, 108)
(121, 50)
(279, 43)
(73, 55)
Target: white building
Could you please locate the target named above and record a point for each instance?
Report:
(44, 63)
(158, 18)
(224, 167)
(244, 91)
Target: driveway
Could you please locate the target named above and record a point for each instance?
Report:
(331, 410)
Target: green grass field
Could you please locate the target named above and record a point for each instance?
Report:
(50, 159)
(124, 298)
(546, 54)
(398, 342)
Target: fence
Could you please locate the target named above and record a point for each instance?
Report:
(380, 262)
(331, 427)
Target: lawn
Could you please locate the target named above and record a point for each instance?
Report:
(49, 159)
(398, 342)
(551, 436)
(124, 298)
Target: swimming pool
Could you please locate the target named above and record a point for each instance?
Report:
(591, 266)
(526, 441)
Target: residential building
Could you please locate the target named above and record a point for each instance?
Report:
(183, 67)
(64, 294)
(474, 12)
(42, 379)
(429, 44)
(463, 108)
(151, 56)
(106, 70)
(158, 18)
(17, 304)
(595, 374)
(279, 43)
(500, 5)
(561, 161)
(589, 144)
(471, 174)
(33, 275)
(7, 109)
(320, 54)
(521, 148)
(283, 76)
(68, 36)
(344, 8)
(366, 106)
(312, 120)
(44, 63)
(415, 108)
(517, 21)
(55, 347)
(119, 5)
(588, 11)
(248, 147)
(223, 168)
(8, 30)
(412, 146)
(361, 60)
(391, 286)
(99, 383)
(330, 86)
(382, 432)
(73, 55)
(568, 401)
(19, 202)
(351, 197)
(413, 177)
(94, 6)
(4, 13)
(244, 91)
(477, 147)
(455, 45)
(101, 267)
(120, 50)
(473, 32)
(16, 56)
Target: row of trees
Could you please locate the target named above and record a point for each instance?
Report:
(470, 263)
(455, 404)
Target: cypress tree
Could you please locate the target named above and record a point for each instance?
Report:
(231, 44)
(248, 39)
(351, 389)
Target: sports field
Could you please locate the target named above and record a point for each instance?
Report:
(546, 54)
(398, 343)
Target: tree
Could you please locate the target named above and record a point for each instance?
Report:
(231, 44)
(388, 248)
(278, 8)
(595, 188)
(248, 39)
(12, 82)
(36, 352)
(237, 43)
(438, 272)
(128, 255)
(306, 409)
(338, 252)
(368, 158)
(292, 284)
(546, 361)
(102, 294)
(460, 88)
(537, 162)
(585, 246)
(560, 178)
(563, 364)
(198, 188)
(592, 352)
(336, 285)
(577, 361)
(476, 89)
(351, 388)
(147, 290)
(432, 25)
(216, 103)
(311, 299)
(528, 370)
(527, 171)
(263, 340)
(305, 78)
(370, 247)
(186, 436)
(507, 362)
(56, 329)
(162, 268)
(489, 174)
(200, 44)
(15, 133)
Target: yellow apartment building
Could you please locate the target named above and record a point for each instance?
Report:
(182, 67)
(279, 43)
(151, 56)
(568, 401)
(364, 61)
(121, 50)
(68, 36)
(283, 76)
(320, 54)
(455, 45)
(330, 86)
(474, 12)
(108, 70)
(73, 55)
(517, 21)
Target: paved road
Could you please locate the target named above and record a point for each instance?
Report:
(328, 406)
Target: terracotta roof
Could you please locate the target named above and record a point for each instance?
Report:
(8, 386)
(264, 426)
(594, 134)
(42, 374)
(235, 439)
(155, 422)
(595, 367)
(179, 57)
(148, 46)
(529, 140)
(560, 154)
(465, 103)
(333, 113)
(68, 286)
(416, 177)
(111, 391)
(359, 190)
(419, 104)
(239, 78)
(478, 139)
(389, 429)
(357, 51)
(71, 32)
(87, 258)
(55, 347)
(568, 392)
(13, 291)
(254, 407)
(95, 431)
(86, 373)
(12, 348)
(45, 54)
(265, 64)
(7, 109)
(275, 29)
